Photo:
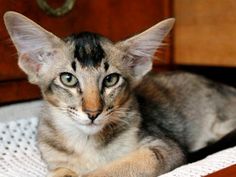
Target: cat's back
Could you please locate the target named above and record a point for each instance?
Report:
(185, 105)
(184, 87)
(187, 87)
(181, 87)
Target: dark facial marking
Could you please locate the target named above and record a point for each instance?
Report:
(73, 65)
(106, 66)
(57, 145)
(49, 90)
(111, 132)
(109, 108)
(54, 86)
(88, 50)
(49, 124)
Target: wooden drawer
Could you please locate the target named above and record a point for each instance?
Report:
(20, 90)
(115, 19)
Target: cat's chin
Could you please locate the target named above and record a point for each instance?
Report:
(90, 129)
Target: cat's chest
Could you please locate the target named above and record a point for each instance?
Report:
(90, 155)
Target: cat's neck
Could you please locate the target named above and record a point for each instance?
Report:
(128, 119)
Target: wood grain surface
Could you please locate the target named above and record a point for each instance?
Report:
(205, 32)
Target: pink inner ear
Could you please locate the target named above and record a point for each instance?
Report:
(29, 63)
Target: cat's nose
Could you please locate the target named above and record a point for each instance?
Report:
(92, 115)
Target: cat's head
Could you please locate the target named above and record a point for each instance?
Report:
(86, 76)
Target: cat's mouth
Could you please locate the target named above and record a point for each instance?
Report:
(91, 128)
(85, 124)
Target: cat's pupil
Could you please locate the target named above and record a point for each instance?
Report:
(110, 79)
(68, 78)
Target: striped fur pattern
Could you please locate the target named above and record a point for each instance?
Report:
(104, 116)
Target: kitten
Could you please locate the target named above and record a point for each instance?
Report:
(104, 116)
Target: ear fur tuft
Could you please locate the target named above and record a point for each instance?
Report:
(32, 42)
(140, 49)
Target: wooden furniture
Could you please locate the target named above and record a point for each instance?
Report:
(227, 172)
(112, 18)
(205, 32)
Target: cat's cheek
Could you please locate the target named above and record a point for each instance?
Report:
(52, 99)
(122, 97)
(79, 118)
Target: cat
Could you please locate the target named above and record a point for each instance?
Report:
(105, 114)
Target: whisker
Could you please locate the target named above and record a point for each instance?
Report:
(122, 120)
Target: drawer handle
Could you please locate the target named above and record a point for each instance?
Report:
(65, 8)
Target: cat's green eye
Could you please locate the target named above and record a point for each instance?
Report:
(111, 80)
(68, 79)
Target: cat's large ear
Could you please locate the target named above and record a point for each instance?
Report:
(140, 49)
(35, 45)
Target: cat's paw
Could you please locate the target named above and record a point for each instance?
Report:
(62, 172)
(96, 174)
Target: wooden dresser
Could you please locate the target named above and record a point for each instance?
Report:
(116, 19)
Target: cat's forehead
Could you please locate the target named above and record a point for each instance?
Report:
(88, 48)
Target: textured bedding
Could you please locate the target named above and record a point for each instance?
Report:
(20, 157)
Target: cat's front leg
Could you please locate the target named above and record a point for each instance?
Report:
(148, 162)
(137, 164)
(62, 172)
